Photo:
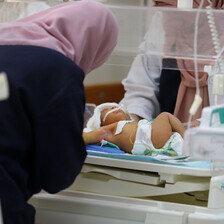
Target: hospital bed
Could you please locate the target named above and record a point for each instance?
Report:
(124, 189)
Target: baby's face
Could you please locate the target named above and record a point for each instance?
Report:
(112, 117)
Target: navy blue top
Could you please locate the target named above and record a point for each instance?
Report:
(169, 86)
(41, 145)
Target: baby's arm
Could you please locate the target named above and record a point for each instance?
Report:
(124, 140)
(163, 127)
(93, 137)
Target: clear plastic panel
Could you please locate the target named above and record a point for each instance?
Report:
(160, 32)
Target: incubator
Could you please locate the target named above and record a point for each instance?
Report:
(123, 188)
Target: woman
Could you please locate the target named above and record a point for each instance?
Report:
(46, 57)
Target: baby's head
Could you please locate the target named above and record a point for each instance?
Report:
(107, 113)
(112, 114)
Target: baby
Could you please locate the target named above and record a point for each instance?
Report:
(165, 133)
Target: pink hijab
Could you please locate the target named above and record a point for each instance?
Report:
(187, 88)
(85, 32)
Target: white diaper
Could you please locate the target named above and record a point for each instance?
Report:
(143, 144)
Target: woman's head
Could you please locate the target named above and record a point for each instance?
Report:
(84, 31)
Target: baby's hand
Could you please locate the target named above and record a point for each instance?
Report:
(93, 137)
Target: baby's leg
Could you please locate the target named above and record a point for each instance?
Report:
(163, 127)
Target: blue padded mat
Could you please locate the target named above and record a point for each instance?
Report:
(98, 148)
(115, 153)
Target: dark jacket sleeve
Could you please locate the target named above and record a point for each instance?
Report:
(56, 98)
(42, 121)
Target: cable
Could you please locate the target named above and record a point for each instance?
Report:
(216, 43)
(218, 79)
(220, 53)
(88, 111)
(214, 33)
(195, 48)
(197, 100)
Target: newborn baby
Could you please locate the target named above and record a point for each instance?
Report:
(144, 137)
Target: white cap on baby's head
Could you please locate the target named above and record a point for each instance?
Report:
(95, 122)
